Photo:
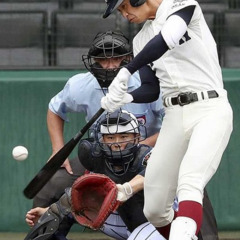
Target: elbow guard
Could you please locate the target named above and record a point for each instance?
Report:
(173, 30)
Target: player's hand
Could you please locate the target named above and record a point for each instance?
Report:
(124, 192)
(117, 94)
(65, 165)
(34, 214)
(119, 84)
(110, 104)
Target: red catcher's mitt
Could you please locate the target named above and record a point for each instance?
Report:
(94, 197)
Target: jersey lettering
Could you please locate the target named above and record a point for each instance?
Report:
(178, 3)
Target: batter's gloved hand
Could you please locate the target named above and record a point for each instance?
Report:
(117, 94)
(119, 84)
(110, 104)
(124, 192)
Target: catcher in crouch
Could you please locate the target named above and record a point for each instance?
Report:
(115, 152)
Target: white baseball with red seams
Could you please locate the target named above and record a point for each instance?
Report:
(20, 153)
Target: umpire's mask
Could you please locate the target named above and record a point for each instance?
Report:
(105, 46)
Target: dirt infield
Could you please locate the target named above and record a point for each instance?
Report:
(100, 236)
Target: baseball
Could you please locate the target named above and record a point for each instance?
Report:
(20, 153)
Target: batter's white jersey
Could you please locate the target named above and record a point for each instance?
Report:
(194, 136)
(194, 62)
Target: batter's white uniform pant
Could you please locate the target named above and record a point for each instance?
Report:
(187, 154)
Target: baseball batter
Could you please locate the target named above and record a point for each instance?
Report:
(176, 44)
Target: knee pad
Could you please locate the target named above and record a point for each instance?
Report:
(183, 228)
(63, 206)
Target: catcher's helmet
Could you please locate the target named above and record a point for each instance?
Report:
(121, 121)
(113, 4)
(107, 45)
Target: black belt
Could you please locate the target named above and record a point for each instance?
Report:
(189, 97)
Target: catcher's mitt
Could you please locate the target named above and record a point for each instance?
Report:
(94, 197)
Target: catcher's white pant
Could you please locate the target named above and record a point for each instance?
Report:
(116, 228)
(187, 154)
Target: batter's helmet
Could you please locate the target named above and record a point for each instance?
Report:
(121, 121)
(113, 4)
(107, 45)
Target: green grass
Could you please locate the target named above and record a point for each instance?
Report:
(100, 236)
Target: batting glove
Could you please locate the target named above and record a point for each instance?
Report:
(119, 84)
(124, 192)
(111, 103)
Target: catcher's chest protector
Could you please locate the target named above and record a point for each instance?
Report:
(136, 167)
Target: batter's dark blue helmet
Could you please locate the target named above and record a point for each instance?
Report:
(113, 5)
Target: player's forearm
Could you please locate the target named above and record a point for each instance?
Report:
(137, 183)
(150, 89)
(128, 189)
(55, 129)
(150, 141)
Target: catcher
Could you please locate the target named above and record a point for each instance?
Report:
(115, 152)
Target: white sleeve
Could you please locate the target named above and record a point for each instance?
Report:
(173, 30)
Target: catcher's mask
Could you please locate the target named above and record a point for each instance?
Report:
(107, 45)
(120, 122)
(114, 4)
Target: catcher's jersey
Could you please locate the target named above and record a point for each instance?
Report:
(183, 68)
(93, 161)
(82, 93)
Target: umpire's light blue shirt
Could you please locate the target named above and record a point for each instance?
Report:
(82, 93)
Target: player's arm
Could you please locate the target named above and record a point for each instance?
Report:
(55, 126)
(172, 31)
(128, 189)
(34, 214)
(151, 141)
(150, 87)
(137, 183)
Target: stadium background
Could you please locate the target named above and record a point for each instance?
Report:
(41, 46)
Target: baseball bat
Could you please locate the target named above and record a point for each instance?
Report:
(55, 162)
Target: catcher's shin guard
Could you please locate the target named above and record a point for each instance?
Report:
(183, 228)
(63, 206)
(46, 226)
(49, 222)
